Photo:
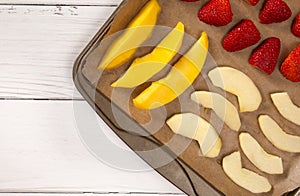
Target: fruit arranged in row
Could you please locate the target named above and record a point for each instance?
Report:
(226, 78)
(264, 161)
(253, 182)
(291, 66)
(296, 26)
(138, 31)
(194, 127)
(265, 56)
(181, 76)
(245, 34)
(216, 12)
(184, 72)
(274, 11)
(223, 108)
(143, 68)
(277, 136)
(286, 107)
(219, 13)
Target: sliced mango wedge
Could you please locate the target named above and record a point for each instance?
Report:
(181, 76)
(194, 127)
(286, 107)
(138, 31)
(264, 161)
(224, 109)
(143, 68)
(232, 166)
(278, 137)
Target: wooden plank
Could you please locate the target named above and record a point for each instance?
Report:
(39, 45)
(42, 150)
(83, 194)
(62, 2)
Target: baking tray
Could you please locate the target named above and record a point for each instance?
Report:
(176, 170)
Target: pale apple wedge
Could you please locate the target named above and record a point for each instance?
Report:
(245, 178)
(239, 84)
(278, 137)
(143, 68)
(194, 127)
(286, 107)
(264, 161)
(224, 109)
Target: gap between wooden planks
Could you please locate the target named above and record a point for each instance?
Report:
(42, 151)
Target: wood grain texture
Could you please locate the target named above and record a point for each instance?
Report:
(86, 194)
(38, 46)
(64, 2)
(41, 150)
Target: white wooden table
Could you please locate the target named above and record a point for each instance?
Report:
(41, 152)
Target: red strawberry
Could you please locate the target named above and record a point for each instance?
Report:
(243, 35)
(296, 26)
(216, 12)
(274, 11)
(253, 2)
(265, 56)
(290, 68)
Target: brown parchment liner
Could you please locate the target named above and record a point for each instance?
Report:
(174, 11)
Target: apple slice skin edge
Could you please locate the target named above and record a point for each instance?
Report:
(286, 107)
(224, 109)
(194, 127)
(245, 178)
(264, 161)
(239, 84)
(277, 136)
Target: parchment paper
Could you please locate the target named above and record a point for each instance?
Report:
(174, 11)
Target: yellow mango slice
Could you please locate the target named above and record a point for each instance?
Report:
(181, 76)
(142, 69)
(138, 31)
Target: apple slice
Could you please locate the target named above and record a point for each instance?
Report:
(278, 137)
(194, 127)
(245, 178)
(264, 161)
(286, 107)
(239, 84)
(143, 68)
(222, 107)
